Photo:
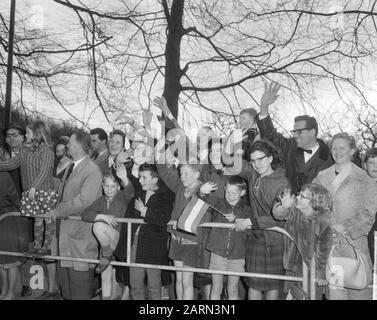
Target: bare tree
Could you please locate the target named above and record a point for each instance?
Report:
(214, 55)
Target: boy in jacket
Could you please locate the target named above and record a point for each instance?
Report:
(227, 246)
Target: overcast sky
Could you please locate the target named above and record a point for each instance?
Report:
(54, 17)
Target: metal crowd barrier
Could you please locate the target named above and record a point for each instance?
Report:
(308, 279)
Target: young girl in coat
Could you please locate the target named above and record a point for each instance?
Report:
(308, 221)
(36, 162)
(265, 249)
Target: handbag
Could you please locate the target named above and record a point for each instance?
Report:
(347, 272)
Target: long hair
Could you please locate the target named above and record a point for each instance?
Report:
(269, 150)
(41, 133)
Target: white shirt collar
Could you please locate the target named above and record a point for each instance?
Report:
(102, 152)
(308, 156)
(77, 162)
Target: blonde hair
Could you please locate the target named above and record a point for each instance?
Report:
(41, 132)
(320, 200)
(344, 135)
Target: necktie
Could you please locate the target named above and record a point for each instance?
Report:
(95, 155)
(65, 178)
(70, 169)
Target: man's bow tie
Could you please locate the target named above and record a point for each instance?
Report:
(307, 151)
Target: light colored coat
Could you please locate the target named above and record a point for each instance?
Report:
(355, 205)
(76, 239)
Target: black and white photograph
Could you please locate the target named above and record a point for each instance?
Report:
(173, 152)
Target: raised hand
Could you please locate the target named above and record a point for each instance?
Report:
(125, 156)
(287, 199)
(121, 172)
(208, 187)
(269, 96)
(160, 102)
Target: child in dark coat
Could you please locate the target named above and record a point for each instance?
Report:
(154, 204)
(227, 246)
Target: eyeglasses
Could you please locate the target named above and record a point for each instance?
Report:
(13, 135)
(301, 195)
(254, 161)
(299, 131)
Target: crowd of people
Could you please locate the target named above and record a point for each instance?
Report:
(255, 179)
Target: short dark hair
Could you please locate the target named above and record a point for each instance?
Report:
(85, 140)
(102, 135)
(270, 150)
(311, 122)
(237, 181)
(371, 153)
(152, 168)
(119, 133)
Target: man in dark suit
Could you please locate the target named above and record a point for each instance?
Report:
(304, 155)
(100, 154)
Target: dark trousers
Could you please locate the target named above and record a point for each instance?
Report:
(76, 285)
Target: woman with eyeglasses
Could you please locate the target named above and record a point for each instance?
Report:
(355, 204)
(265, 249)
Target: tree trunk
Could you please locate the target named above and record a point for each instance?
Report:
(173, 72)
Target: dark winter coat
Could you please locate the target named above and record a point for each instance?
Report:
(228, 243)
(153, 236)
(297, 171)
